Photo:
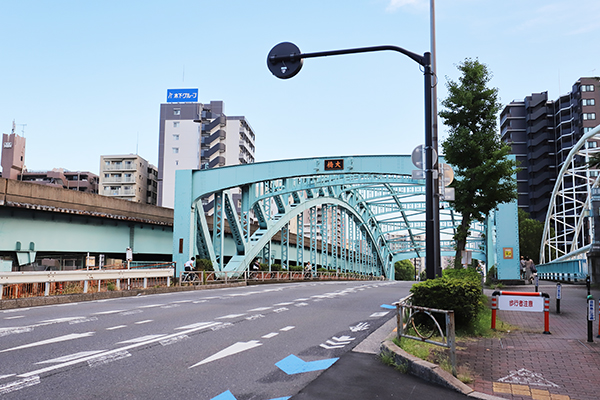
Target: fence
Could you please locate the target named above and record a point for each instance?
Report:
(405, 315)
(208, 277)
(45, 283)
(566, 271)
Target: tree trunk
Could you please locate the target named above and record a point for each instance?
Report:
(462, 232)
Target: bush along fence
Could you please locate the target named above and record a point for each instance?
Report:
(522, 301)
(408, 316)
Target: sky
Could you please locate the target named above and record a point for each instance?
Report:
(83, 79)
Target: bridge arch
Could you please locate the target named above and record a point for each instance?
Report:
(359, 207)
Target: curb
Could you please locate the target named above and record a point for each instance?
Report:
(428, 371)
(75, 298)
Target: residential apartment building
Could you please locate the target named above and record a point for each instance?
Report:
(13, 155)
(128, 177)
(199, 136)
(541, 133)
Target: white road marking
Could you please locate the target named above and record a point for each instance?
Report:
(15, 317)
(230, 316)
(78, 321)
(255, 316)
(233, 349)
(131, 312)
(200, 301)
(183, 301)
(143, 322)
(18, 329)
(94, 362)
(280, 310)
(6, 376)
(20, 384)
(166, 342)
(64, 338)
(287, 328)
(301, 304)
(141, 339)
(303, 299)
(16, 310)
(58, 320)
(170, 306)
(197, 325)
(200, 326)
(151, 305)
(71, 357)
(362, 326)
(112, 328)
(287, 303)
(222, 326)
(270, 335)
(379, 314)
(260, 309)
(108, 312)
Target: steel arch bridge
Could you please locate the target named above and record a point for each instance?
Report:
(356, 214)
(567, 228)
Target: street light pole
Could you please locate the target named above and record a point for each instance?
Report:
(285, 61)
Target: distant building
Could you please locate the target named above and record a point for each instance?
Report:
(198, 136)
(541, 133)
(128, 177)
(82, 181)
(13, 167)
(13, 155)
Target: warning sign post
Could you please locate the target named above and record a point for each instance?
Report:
(522, 301)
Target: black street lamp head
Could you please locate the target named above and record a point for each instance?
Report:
(283, 61)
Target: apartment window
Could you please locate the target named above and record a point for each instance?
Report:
(593, 173)
(592, 145)
(587, 88)
(587, 129)
(106, 175)
(587, 116)
(177, 111)
(175, 124)
(588, 102)
(175, 137)
(175, 150)
(176, 162)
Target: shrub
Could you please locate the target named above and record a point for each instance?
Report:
(462, 295)
(275, 267)
(296, 268)
(404, 270)
(202, 264)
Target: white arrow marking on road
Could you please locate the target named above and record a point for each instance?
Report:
(344, 338)
(330, 347)
(363, 326)
(54, 340)
(117, 352)
(233, 349)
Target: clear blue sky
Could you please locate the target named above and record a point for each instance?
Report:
(87, 77)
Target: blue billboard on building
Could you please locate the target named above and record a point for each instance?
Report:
(182, 95)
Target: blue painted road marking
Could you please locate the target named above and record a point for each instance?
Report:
(294, 365)
(225, 396)
(388, 306)
(229, 396)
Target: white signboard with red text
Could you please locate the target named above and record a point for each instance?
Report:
(521, 303)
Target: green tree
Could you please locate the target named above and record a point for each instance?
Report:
(530, 236)
(404, 270)
(484, 175)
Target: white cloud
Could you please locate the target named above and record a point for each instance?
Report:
(396, 4)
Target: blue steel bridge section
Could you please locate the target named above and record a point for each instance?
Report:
(359, 214)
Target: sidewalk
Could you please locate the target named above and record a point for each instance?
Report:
(527, 364)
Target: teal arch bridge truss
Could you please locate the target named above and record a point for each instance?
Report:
(353, 214)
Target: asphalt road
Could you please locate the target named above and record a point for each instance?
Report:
(257, 342)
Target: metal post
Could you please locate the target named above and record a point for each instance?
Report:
(591, 318)
(558, 297)
(450, 337)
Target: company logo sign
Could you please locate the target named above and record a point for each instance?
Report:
(182, 95)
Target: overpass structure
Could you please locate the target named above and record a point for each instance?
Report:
(63, 225)
(354, 213)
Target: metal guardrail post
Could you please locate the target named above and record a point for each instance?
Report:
(451, 339)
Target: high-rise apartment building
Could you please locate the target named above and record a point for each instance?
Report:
(198, 136)
(128, 177)
(541, 133)
(13, 155)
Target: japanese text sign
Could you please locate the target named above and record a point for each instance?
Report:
(334, 165)
(521, 303)
(182, 95)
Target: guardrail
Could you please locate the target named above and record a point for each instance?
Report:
(208, 277)
(565, 271)
(34, 283)
(405, 315)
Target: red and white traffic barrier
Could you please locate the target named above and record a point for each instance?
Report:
(522, 301)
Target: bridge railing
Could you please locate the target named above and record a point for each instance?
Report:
(46, 283)
(210, 277)
(567, 271)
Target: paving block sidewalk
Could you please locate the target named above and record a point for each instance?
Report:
(527, 364)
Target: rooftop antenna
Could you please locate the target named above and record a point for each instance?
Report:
(22, 128)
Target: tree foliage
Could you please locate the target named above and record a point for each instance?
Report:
(530, 236)
(404, 270)
(484, 175)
